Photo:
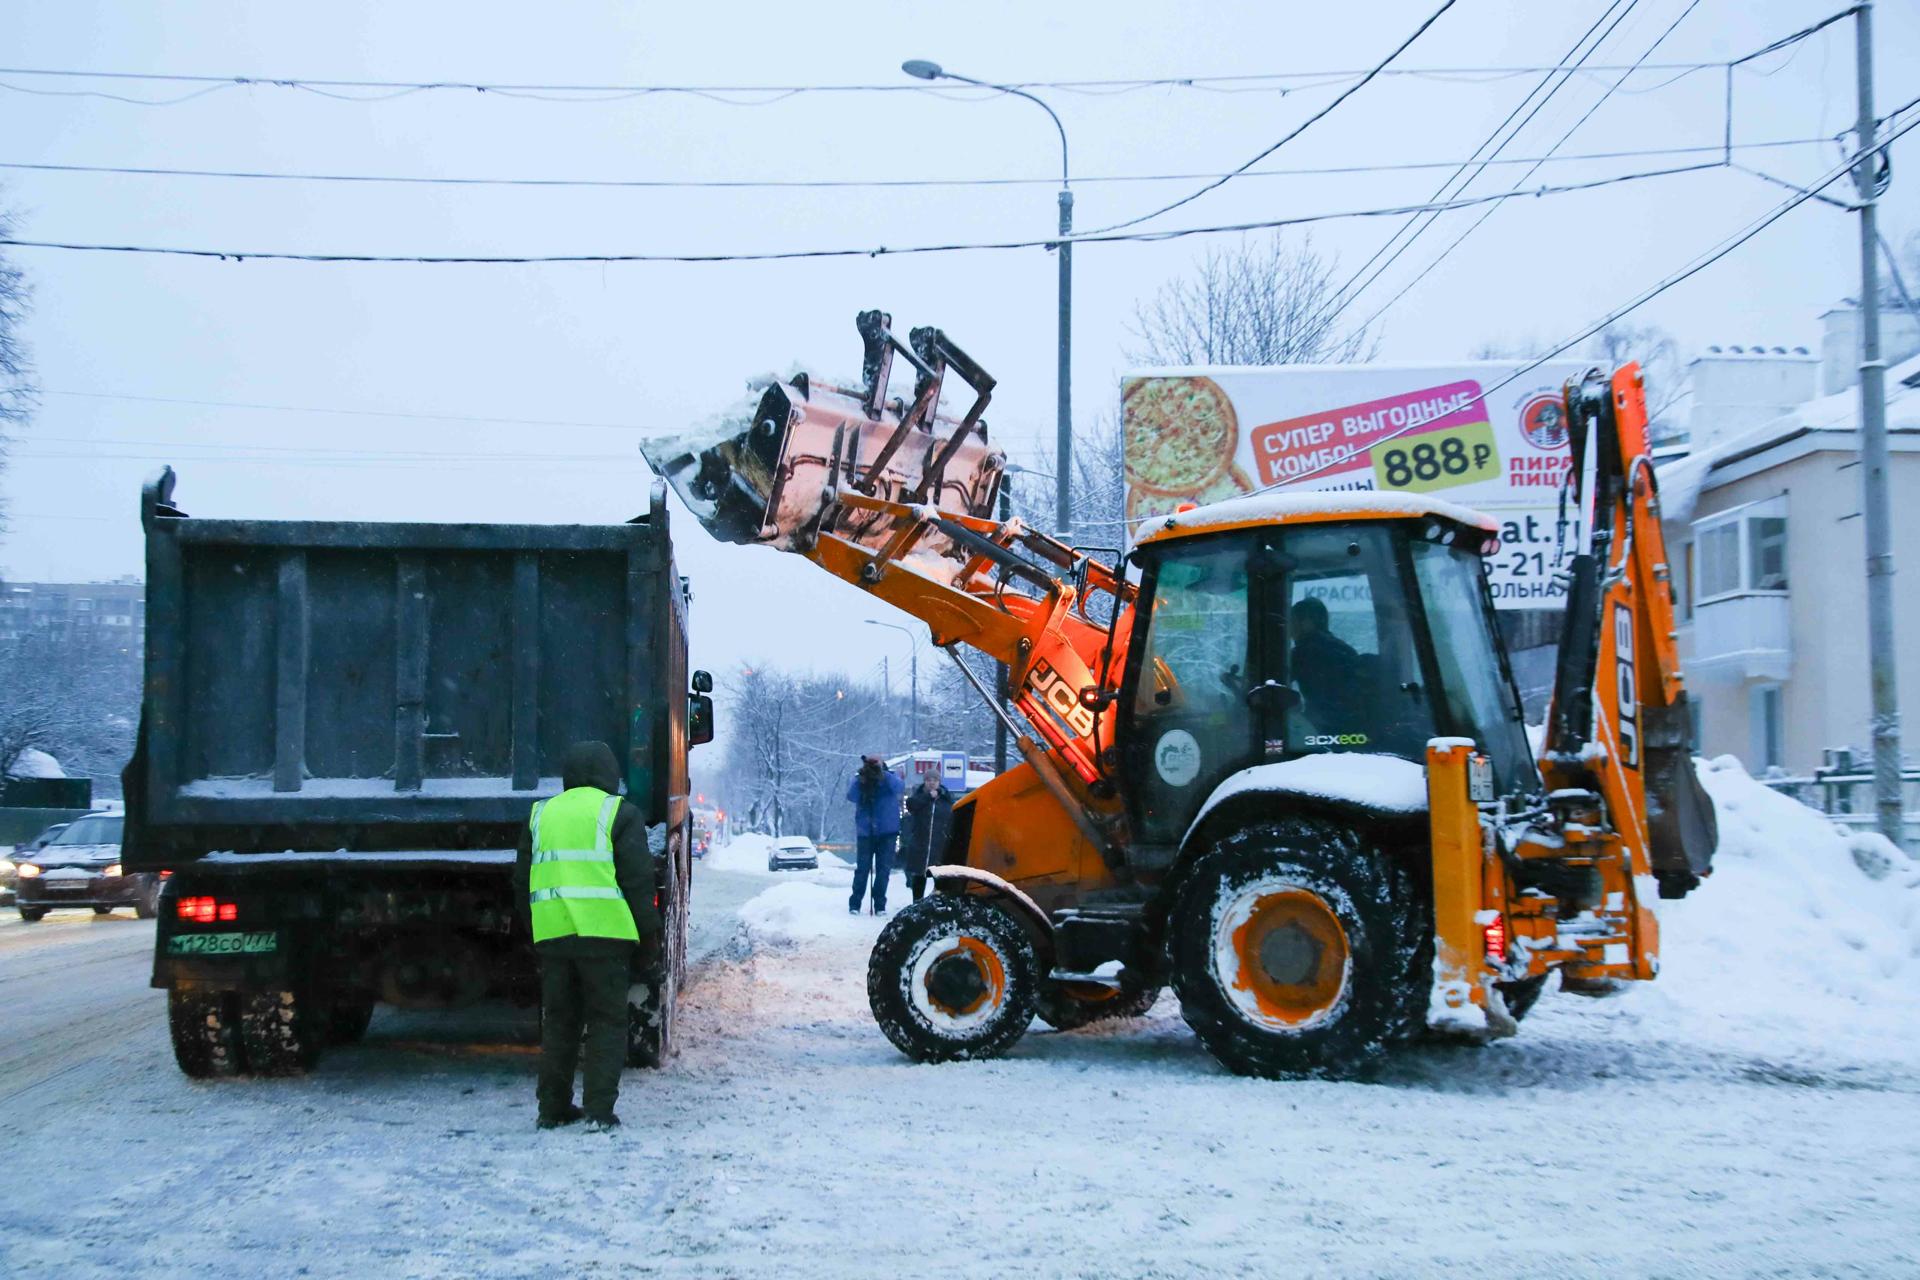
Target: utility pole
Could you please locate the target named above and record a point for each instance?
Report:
(913, 699)
(1873, 456)
(778, 708)
(1063, 428)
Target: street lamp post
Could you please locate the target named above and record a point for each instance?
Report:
(1063, 444)
(913, 675)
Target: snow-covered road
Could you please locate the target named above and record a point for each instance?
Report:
(1642, 1136)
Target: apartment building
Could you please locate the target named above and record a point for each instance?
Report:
(1763, 514)
(75, 611)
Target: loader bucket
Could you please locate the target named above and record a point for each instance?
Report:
(775, 478)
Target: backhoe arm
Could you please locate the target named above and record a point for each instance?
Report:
(1618, 723)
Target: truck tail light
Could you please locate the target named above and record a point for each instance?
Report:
(1496, 936)
(203, 910)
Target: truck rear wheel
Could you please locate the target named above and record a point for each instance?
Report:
(1068, 1009)
(952, 976)
(205, 1029)
(1296, 950)
(650, 1020)
(280, 1032)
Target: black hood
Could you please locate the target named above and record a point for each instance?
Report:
(590, 764)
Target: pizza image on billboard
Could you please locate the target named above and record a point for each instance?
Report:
(1180, 434)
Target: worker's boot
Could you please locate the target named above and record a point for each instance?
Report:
(569, 1114)
(603, 1124)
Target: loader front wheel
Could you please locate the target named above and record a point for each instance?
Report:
(1296, 950)
(952, 976)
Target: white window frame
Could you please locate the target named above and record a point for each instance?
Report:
(1743, 538)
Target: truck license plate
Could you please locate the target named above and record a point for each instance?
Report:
(223, 944)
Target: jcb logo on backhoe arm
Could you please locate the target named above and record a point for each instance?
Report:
(1052, 691)
(1626, 697)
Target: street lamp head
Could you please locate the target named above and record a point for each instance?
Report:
(921, 69)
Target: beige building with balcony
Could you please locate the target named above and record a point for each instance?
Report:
(1764, 525)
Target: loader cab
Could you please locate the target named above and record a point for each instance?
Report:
(1275, 640)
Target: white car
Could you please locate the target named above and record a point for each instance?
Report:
(793, 852)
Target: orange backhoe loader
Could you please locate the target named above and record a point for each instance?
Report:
(1275, 758)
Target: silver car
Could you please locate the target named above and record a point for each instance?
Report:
(793, 853)
(80, 868)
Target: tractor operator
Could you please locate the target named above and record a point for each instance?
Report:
(1331, 673)
(584, 877)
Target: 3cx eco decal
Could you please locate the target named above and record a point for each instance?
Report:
(1337, 739)
(1176, 757)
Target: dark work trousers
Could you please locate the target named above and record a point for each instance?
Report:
(919, 886)
(875, 858)
(583, 988)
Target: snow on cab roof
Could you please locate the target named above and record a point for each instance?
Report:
(1267, 508)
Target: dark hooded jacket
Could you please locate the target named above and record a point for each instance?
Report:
(591, 764)
(924, 834)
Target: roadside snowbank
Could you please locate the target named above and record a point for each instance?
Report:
(801, 911)
(744, 853)
(1805, 936)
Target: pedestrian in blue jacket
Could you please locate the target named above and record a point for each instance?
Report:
(875, 794)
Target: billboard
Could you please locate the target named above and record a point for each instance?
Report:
(1479, 433)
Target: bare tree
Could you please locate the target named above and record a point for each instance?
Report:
(1261, 302)
(16, 387)
(1659, 357)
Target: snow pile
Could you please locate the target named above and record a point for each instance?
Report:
(746, 853)
(35, 763)
(1805, 937)
(802, 910)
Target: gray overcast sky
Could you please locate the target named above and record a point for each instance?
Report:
(660, 346)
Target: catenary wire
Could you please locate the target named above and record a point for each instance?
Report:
(1353, 286)
(1631, 153)
(782, 255)
(1562, 141)
(1296, 131)
(1700, 263)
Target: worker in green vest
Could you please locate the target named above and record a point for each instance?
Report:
(584, 879)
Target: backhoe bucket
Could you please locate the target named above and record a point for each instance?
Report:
(776, 478)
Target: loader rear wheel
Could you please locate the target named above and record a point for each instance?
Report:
(280, 1031)
(952, 976)
(348, 1018)
(205, 1029)
(1067, 1008)
(1296, 950)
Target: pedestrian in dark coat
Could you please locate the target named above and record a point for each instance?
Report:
(924, 833)
(875, 793)
(584, 887)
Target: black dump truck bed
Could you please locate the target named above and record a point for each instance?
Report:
(344, 728)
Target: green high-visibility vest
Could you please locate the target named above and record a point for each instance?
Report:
(572, 888)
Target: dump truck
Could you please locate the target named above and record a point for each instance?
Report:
(1274, 758)
(344, 729)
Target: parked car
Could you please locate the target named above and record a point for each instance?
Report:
(793, 853)
(80, 867)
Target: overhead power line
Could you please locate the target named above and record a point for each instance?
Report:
(353, 413)
(1271, 81)
(271, 255)
(1630, 153)
(1296, 131)
(1355, 285)
(1560, 142)
(1700, 263)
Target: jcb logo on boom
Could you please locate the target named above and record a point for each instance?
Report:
(1054, 693)
(1626, 696)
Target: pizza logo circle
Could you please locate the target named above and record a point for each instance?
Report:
(1176, 757)
(1543, 421)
